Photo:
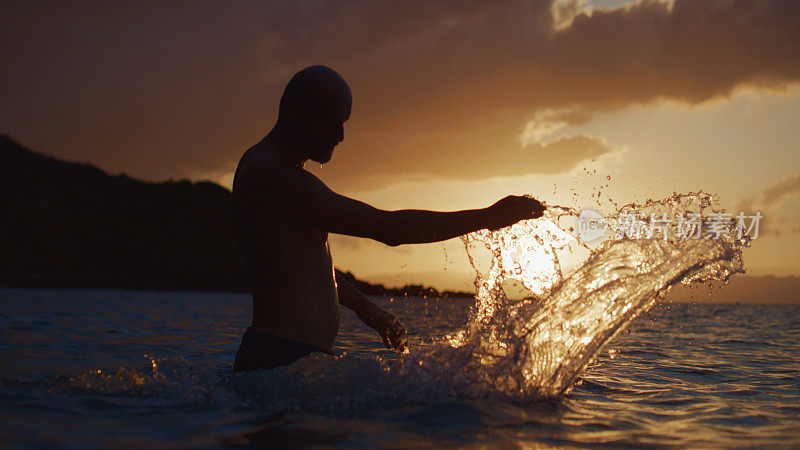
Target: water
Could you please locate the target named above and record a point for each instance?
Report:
(537, 358)
(680, 375)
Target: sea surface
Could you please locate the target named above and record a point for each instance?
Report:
(117, 368)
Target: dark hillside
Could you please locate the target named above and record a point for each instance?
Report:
(71, 224)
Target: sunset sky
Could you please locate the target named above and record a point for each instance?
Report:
(456, 103)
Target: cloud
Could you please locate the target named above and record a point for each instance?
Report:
(566, 11)
(779, 204)
(548, 121)
(562, 154)
(773, 195)
(782, 189)
(168, 89)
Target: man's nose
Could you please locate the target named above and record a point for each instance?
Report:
(340, 136)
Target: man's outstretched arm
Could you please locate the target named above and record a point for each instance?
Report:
(412, 226)
(319, 207)
(391, 330)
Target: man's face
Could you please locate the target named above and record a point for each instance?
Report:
(325, 131)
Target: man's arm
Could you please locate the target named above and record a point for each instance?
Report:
(317, 206)
(391, 330)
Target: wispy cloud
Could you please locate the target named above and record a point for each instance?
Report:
(786, 187)
(779, 204)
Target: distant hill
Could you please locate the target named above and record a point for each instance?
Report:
(71, 224)
(67, 224)
(409, 290)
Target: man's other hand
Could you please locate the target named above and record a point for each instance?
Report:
(512, 209)
(393, 334)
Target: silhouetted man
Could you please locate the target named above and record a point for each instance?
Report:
(282, 217)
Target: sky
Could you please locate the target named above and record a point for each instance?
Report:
(456, 103)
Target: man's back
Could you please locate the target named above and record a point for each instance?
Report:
(288, 261)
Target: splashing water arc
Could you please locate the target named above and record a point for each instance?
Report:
(536, 347)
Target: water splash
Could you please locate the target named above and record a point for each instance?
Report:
(166, 377)
(537, 346)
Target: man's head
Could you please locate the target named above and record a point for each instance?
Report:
(314, 106)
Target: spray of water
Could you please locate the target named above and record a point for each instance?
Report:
(537, 346)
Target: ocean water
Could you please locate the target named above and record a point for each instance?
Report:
(106, 368)
(565, 344)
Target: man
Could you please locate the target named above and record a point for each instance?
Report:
(283, 214)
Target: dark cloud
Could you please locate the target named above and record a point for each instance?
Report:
(168, 89)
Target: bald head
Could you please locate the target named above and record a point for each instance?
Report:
(314, 107)
(312, 91)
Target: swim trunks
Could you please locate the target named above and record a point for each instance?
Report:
(265, 351)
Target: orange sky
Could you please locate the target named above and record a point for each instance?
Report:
(455, 103)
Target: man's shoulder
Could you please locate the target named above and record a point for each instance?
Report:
(258, 167)
(263, 176)
(255, 169)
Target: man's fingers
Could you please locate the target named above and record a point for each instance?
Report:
(385, 339)
(398, 337)
(400, 344)
(537, 208)
(403, 344)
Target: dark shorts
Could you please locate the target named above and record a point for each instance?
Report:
(265, 351)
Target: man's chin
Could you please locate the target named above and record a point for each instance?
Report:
(322, 158)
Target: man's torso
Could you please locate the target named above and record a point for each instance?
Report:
(289, 262)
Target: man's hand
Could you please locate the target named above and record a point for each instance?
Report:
(391, 330)
(512, 209)
(393, 333)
